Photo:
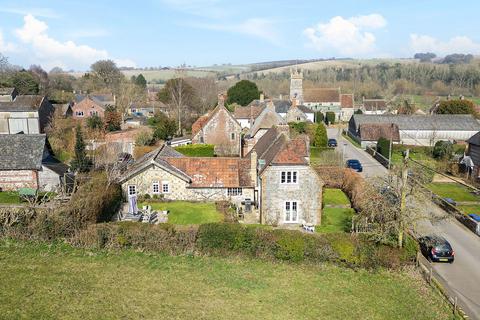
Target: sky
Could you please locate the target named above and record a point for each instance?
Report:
(74, 34)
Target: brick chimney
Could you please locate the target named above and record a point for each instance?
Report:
(270, 105)
(262, 97)
(221, 99)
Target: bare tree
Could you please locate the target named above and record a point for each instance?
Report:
(177, 93)
(205, 92)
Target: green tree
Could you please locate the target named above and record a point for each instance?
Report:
(358, 111)
(243, 92)
(321, 138)
(330, 117)
(163, 127)
(141, 81)
(80, 161)
(457, 106)
(25, 82)
(95, 122)
(443, 150)
(299, 127)
(319, 117)
(383, 147)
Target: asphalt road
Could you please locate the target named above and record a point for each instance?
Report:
(463, 276)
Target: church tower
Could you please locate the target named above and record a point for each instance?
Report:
(296, 85)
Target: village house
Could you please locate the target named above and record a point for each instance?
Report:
(27, 162)
(89, 105)
(274, 184)
(374, 106)
(472, 155)
(220, 129)
(29, 114)
(422, 130)
(266, 120)
(369, 133)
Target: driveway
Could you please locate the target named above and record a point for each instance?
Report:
(463, 276)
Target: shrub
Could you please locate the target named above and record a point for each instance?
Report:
(443, 150)
(319, 117)
(321, 138)
(330, 117)
(383, 147)
(146, 196)
(197, 150)
(298, 127)
(290, 246)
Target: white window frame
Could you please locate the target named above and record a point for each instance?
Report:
(232, 192)
(129, 188)
(156, 185)
(167, 185)
(289, 177)
(79, 113)
(290, 210)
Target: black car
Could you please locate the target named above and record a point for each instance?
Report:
(332, 143)
(355, 165)
(437, 249)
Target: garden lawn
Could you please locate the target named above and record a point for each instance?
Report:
(336, 220)
(335, 197)
(470, 209)
(8, 197)
(197, 150)
(454, 191)
(90, 284)
(183, 212)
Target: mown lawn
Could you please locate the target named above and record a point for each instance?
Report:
(336, 220)
(335, 197)
(470, 209)
(8, 197)
(197, 150)
(183, 212)
(454, 191)
(59, 282)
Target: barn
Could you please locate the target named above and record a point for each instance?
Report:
(422, 130)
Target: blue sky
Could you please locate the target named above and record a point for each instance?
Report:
(73, 34)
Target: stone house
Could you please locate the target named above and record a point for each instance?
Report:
(290, 191)
(267, 119)
(347, 103)
(27, 162)
(298, 114)
(91, 104)
(374, 106)
(168, 174)
(220, 129)
(473, 151)
(29, 114)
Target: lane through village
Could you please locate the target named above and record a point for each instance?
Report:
(463, 276)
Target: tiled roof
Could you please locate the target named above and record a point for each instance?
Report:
(248, 112)
(475, 139)
(267, 119)
(305, 109)
(321, 95)
(199, 124)
(454, 122)
(6, 91)
(214, 172)
(293, 152)
(281, 106)
(375, 131)
(374, 104)
(100, 98)
(346, 100)
(21, 151)
(22, 103)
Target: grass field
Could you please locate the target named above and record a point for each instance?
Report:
(59, 282)
(9, 197)
(335, 197)
(452, 190)
(470, 209)
(336, 220)
(182, 212)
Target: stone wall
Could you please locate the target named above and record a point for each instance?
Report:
(12, 180)
(48, 179)
(295, 115)
(307, 192)
(218, 131)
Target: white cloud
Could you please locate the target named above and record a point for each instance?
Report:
(6, 47)
(50, 52)
(257, 27)
(38, 12)
(346, 37)
(459, 44)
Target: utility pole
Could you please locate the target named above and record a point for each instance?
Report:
(403, 197)
(390, 149)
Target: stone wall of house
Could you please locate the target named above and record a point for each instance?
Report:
(223, 132)
(12, 180)
(179, 189)
(48, 179)
(307, 192)
(295, 115)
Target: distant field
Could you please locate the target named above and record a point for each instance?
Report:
(164, 75)
(60, 282)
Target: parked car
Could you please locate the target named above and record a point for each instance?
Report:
(332, 143)
(355, 165)
(436, 248)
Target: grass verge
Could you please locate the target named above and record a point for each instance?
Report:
(454, 191)
(8, 197)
